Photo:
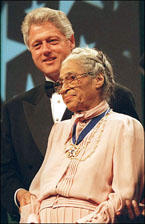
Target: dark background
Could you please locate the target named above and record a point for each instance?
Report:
(117, 29)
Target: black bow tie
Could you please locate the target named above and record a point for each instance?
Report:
(49, 88)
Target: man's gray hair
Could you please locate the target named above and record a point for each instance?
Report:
(93, 62)
(41, 15)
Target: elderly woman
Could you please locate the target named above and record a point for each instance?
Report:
(94, 161)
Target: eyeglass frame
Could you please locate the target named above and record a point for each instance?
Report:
(57, 84)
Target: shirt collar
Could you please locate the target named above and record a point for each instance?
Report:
(48, 79)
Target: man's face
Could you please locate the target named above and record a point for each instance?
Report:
(49, 47)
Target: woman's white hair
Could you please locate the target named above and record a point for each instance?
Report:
(93, 62)
(41, 15)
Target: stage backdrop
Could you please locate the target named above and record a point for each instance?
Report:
(115, 27)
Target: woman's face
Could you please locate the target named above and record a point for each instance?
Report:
(81, 94)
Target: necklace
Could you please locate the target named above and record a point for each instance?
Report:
(72, 150)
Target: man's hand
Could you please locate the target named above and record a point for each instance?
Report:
(133, 209)
(23, 197)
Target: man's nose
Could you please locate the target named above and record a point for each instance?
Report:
(46, 48)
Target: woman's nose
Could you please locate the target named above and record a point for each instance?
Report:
(64, 88)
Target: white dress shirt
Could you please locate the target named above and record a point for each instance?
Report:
(57, 105)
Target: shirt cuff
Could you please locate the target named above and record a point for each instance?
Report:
(15, 196)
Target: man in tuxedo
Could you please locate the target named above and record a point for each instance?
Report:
(27, 119)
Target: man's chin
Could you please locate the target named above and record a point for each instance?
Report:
(52, 76)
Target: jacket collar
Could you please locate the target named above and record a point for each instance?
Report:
(37, 110)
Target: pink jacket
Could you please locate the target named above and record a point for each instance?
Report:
(113, 173)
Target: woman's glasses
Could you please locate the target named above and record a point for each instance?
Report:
(72, 80)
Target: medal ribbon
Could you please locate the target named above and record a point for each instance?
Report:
(87, 129)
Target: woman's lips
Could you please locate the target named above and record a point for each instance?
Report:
(68, 98)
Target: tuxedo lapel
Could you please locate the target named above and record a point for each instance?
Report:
(39, 118)
(67, 114)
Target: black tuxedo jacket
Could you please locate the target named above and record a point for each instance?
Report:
(122, 101)
(26, 124)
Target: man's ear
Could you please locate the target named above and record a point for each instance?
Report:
(99, 80)
(72, 42)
